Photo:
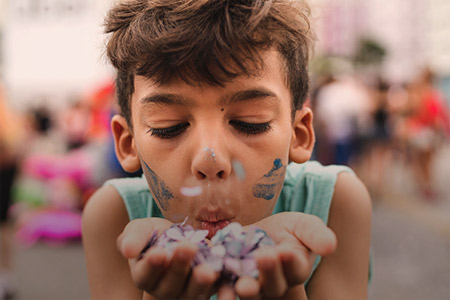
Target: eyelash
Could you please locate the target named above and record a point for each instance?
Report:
(243, 127)
(169, 132)
(251, 128)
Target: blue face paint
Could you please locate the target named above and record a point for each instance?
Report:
(161, 192)
(265, 191)
(276, 166)
(267, 186)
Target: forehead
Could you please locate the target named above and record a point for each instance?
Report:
(271, 76)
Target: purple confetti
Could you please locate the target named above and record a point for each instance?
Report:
(230, 251)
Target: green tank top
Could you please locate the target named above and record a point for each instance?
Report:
(307, 188)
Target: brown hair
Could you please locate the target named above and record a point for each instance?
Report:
(206, 41)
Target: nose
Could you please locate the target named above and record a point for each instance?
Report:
(211, 159)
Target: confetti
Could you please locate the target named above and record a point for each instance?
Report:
(239, 169)
(191, 191)
(229, 252)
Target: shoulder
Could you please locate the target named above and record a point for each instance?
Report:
(309, 188)
(350, 211)
(345, 273)
(351, 197)
(104, 216)
(104, 219)
(103, 207)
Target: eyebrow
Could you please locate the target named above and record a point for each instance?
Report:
(248, 95)
(165, 98)
(240, 96)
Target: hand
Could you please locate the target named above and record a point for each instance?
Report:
(158, 274)
(299, 238)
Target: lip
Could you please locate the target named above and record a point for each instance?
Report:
(213, 221)
(213, 227)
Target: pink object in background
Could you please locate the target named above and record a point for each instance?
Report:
(75, 165)
(53, 226)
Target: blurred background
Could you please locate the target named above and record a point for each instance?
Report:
(381, 95)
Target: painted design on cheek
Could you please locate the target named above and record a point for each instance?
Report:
(210, 153)
(268, 184)
(161, 192)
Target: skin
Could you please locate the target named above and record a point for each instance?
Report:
(192, 136)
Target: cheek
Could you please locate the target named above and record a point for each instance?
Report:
(162, 193)
(262, 186)
(268, 186)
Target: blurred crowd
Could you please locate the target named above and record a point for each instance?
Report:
(51, 162)
(367, 124)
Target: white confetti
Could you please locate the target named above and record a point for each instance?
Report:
(191, 191)
(239, 169)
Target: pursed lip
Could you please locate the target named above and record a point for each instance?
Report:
(213, 221)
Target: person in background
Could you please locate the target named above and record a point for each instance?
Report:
(212, 100)
(74, 123)
(425, 127)
(342, 108)
(377, 151)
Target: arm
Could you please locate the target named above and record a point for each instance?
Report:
(104, 218)
(344, 274)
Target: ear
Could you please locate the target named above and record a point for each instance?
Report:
(303, 138)
(124, 144)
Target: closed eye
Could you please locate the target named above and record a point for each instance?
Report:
(169, 132)
(250, 128)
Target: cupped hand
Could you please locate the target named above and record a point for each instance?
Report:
(156, 272)
(299, 238)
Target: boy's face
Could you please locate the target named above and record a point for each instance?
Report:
(214, 154)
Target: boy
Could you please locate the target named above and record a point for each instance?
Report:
(211, 96)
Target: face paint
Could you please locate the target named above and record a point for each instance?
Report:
(267, 185)
(161, 192)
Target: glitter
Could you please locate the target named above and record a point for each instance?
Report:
(210, 153)
(191, 191)
(239, 169)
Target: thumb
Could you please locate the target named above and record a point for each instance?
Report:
(315, 235)
(137, 233)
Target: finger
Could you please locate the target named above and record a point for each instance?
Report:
(146, 272)
(226, 292)
(137, 234)
(297, 262)
(201, 282)
(247, 288)
(177, 274)
(271, 274)
(315, 235)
